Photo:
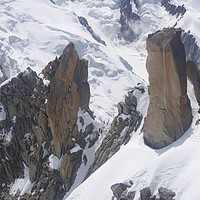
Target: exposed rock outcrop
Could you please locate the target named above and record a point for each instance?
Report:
(172, 9)
(118, 189)
(123, 191)
(194, 76)
(192, 51)
(166, 194)
(39, 118)
(126, 15)
(84, 22)
(169, 114)
(145, 193)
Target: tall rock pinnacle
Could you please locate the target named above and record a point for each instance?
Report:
(169, 114)
(69, 90)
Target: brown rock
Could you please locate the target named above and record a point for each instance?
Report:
(169, 114)
(34, 162)
(69, 90)
(69, 167)
(41, 120)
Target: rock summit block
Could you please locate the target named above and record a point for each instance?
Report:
(169, 114)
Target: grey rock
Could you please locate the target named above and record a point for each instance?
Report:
(172, 9)
(169, 106)
(166, 194)
(145, 193)
(118, 189)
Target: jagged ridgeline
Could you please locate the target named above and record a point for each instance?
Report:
(47, 131)
(39, 117)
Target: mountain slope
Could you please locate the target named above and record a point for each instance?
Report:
(35, 32)
(175, 167)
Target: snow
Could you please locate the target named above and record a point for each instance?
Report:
(32, 33)
(55, 162)
(46, 82)
(21, 185)
(75, 148)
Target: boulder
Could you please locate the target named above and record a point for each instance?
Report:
(118, 189)
(166, 194)
(145, 193)
(169, 113)
(130, 195)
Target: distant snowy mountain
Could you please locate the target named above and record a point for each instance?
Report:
(35, 32)
(31, 35)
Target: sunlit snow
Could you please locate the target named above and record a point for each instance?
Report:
(32, 33)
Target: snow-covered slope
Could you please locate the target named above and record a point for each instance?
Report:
(35, 32)
(175, 167)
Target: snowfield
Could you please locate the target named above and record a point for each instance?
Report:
(32, 33)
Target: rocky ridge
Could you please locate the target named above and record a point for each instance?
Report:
(172, 9)
(40, 121)
(126, 15)
(123, 125)
(41, 118)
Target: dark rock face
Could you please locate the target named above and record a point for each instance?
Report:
(127, 15)
(169, 105)
(39, 119)
(127, 121)
(194, 75)
(84, 22)
(192, 50)
(172, 9)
